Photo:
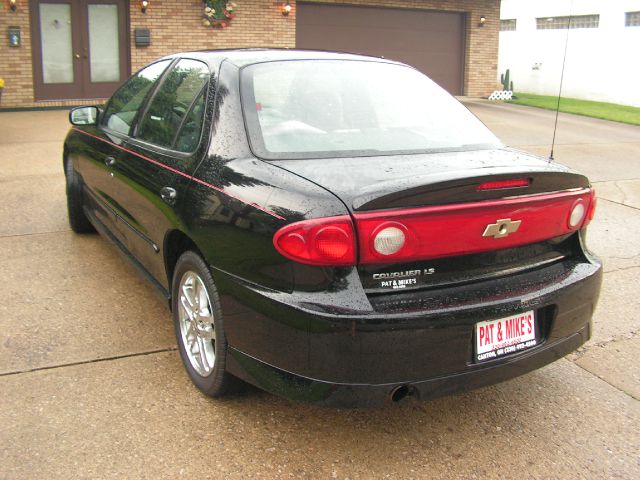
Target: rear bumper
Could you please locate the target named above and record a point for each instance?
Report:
(423, 341)
(343, 395)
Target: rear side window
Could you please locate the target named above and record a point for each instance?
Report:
(174, 116)
(189, 134)
(125, 103)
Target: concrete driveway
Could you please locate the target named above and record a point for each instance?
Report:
(91, 385)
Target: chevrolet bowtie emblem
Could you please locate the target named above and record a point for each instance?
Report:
(501, 228)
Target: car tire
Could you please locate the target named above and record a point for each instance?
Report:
(199, 326)
(77, 219)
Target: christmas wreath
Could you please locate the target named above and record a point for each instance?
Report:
(218, 13)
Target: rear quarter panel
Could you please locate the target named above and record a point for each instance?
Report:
(235, 205)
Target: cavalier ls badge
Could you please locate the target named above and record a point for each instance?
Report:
(502, 228)
(403, 279)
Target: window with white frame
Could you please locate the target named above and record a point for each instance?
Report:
(632, 19)
(508, 25)
(559, 23)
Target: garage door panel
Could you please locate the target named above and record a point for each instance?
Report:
(430, 41)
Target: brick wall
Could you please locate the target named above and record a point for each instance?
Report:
(15, 62)
(176, 25)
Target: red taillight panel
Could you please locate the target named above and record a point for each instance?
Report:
(461, 229)
(325, 241)
(434, 232)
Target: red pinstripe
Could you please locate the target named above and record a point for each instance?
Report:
(190, 177)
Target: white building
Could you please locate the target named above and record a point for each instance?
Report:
(603, 49)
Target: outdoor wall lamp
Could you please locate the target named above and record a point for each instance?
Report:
(483, 20)
(143, 6)
(12, 5)
(286, 9)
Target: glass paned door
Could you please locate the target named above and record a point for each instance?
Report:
(80, 48)
(104, 43)
(55, 37)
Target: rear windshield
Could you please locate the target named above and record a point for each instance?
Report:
(340, 108)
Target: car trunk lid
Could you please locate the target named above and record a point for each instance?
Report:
(459, 213)
(401, 181)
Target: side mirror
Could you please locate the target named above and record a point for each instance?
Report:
(84, 116)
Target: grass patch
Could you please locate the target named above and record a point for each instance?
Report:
(603, 110)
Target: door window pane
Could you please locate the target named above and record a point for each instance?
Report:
(104, 47)
(125, 103)
(172, 102)
(55, 35)
(189, 135)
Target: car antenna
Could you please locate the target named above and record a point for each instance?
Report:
(564, 60)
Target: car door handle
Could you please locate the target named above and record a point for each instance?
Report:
(109, 161)
(168, 194)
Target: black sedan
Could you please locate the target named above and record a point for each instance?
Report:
(334, 228)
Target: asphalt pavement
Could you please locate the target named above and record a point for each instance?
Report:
(91, 384)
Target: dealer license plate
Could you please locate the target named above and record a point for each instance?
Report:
(497, 338)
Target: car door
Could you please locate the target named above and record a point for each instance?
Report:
(106, 143)
(98, 150)
(153, 171)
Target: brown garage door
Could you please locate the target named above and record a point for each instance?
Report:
(433, 42)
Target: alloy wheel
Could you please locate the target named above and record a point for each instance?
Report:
(197, 323)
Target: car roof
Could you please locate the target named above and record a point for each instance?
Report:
(248, 56)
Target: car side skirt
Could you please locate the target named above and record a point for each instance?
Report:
(106, 233)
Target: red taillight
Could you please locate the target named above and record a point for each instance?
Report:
(333, 243)
(591, 210)
(325, 241)
(500, 184)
